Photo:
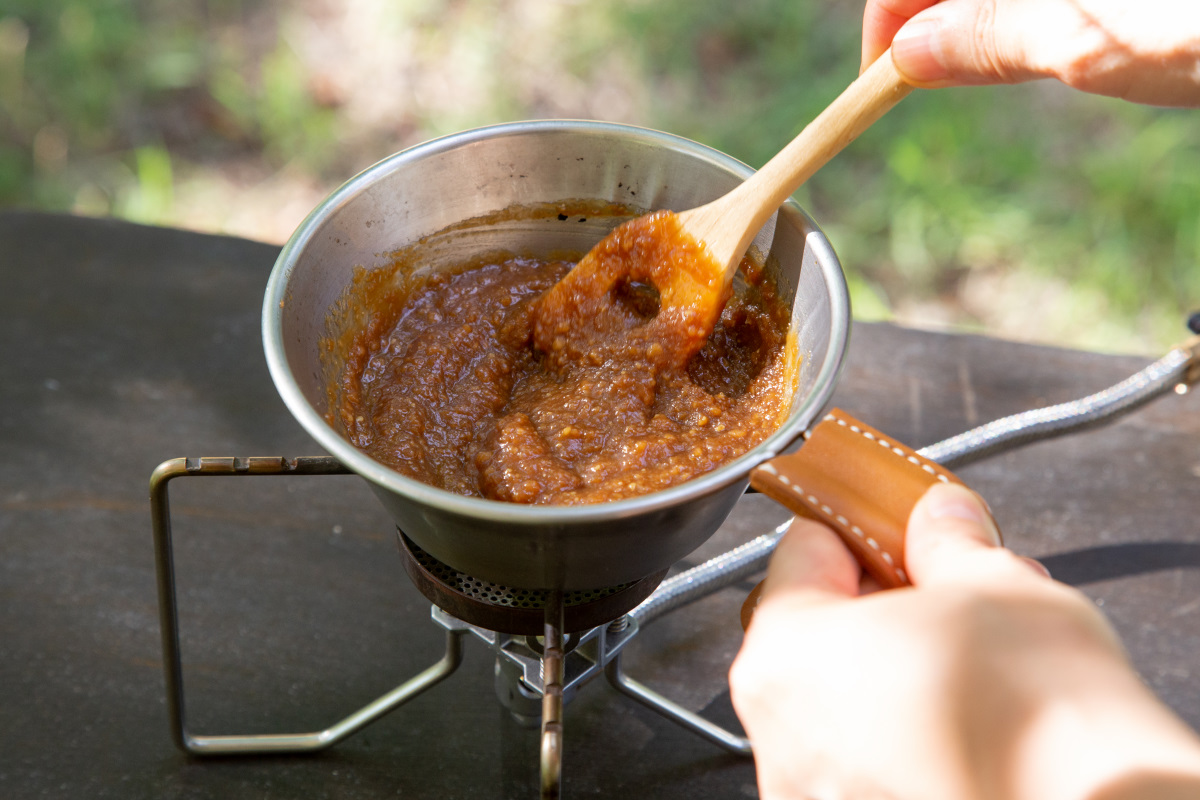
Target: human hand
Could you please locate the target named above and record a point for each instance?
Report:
(986, 679)
(1146, 51)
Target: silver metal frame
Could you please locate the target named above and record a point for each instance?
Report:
(551, 671)
(169, 620)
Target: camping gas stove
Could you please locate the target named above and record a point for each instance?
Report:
(547, 644)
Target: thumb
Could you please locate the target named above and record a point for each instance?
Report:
(948, 527)
(959, 42)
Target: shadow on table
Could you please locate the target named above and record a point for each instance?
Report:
(1093, 564)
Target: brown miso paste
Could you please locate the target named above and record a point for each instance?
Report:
(443, 383)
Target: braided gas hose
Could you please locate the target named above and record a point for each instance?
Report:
(716, 573)
(1180, 367)
(1176, 370)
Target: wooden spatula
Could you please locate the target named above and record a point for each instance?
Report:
(691, 256)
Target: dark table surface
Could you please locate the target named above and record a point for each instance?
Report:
(124, 346)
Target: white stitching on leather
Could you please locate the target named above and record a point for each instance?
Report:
(841, 520)
(932, 470)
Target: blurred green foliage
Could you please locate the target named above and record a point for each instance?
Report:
(1093, 193)
(100, 96)
(1029, 210)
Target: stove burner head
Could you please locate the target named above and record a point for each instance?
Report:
(510, 609)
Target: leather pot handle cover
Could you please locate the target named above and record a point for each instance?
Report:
(858, 481)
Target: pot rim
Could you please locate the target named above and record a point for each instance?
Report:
(540, 515)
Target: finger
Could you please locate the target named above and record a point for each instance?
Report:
(947, 525)
(810, 564)
(960, 42)
(881, 20)
(868, 585)
(1036, 566)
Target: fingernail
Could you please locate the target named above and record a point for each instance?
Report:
(961, 503)
(916, 53)
(1036, 566)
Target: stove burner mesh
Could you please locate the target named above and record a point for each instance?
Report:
(499, 594)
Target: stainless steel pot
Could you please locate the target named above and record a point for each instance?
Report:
(423, 190)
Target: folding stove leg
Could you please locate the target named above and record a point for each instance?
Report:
(552, 697)
(673, 711)
(169, 620)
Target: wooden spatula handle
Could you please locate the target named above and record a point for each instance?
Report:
(863, 102)
(728, 224)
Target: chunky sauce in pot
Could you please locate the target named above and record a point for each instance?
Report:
(445, 381)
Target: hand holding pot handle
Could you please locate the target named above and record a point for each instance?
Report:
(861, 483)
(983, 679)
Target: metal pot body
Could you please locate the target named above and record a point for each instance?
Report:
(414, 195)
